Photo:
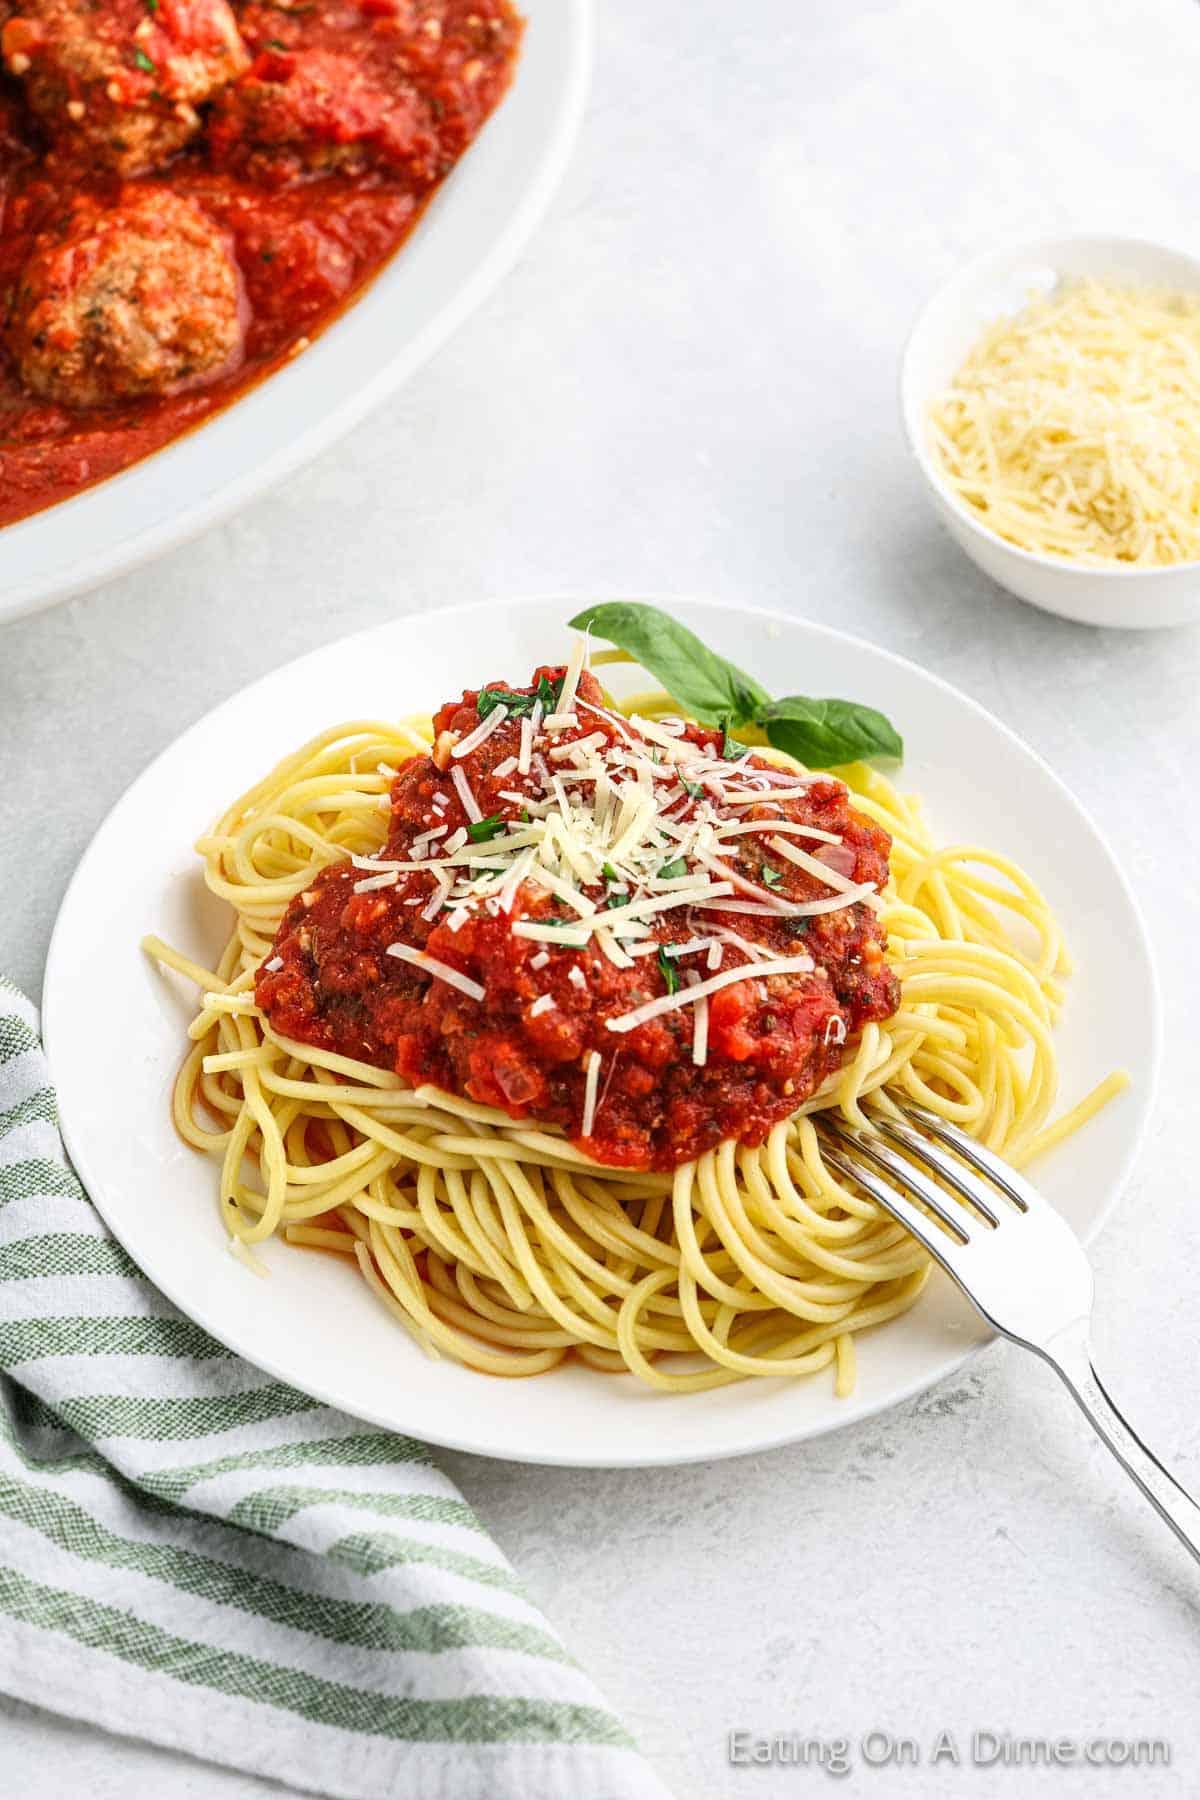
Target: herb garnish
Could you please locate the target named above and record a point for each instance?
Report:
(519, 705)
(671, 870)
(820, 733)
(143, 61)
(772, 877)
(667, 969)
(481, 830)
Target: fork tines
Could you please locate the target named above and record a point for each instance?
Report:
(913, 1147)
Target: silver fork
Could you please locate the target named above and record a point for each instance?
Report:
(1012, 1255)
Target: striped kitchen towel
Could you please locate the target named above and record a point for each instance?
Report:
(198, 1555)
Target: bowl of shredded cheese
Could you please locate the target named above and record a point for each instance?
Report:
(1051, 396)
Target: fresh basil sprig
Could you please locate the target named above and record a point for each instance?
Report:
(823, 733)
(706, 684)
(818, 733)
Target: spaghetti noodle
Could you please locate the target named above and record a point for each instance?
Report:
(501, 1243)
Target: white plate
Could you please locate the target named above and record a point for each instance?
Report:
(479, 221)
(114, 1027)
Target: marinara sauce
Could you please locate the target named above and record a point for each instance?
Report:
(527, 1044)
(303, 136)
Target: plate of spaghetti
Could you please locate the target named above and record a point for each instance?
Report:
(442, 1022)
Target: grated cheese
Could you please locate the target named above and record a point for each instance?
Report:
(590, 1087)
(699, 1026)
(812, 865)
(653, 1009)
(481, 733)
(462, 788)
(1073, 427)
(420, 959)
(604, 828)
(565, 715)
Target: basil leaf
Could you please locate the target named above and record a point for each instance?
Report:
(483, 829)
(703, 682)
(824, 733)
(549, 693)
(517, 704)
(668, 971)
(670, 870)
(731, 750)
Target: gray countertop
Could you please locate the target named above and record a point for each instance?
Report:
(688, 383)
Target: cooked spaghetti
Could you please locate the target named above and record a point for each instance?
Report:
(527, 1010)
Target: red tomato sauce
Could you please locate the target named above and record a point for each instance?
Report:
(313, 164)
(772, 1040)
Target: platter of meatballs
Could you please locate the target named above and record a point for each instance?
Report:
(192, 189)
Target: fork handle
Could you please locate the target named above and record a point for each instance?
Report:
(1071, 1355)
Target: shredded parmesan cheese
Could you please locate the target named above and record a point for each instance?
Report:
(1073, 428)
(481, 733)
(462, 788)
(590, 1087)
(420, 959)
(783, 965)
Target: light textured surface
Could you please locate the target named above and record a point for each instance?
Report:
(689, 383)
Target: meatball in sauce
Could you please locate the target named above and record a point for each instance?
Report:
(190, 189)
(142, 297)
(119, 85)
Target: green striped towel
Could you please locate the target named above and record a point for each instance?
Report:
(195, 1554)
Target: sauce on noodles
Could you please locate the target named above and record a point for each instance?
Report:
(661, 867)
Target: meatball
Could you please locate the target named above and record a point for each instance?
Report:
(125, 301)
(117, 82)
(310, 112)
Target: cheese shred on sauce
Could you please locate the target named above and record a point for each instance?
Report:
(1073, 428)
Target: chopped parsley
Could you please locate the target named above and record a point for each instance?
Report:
(695, 789)
(143, 61)
(484, 829)
(667, 970)
(671, 870)
(610, 874)
(772, 877)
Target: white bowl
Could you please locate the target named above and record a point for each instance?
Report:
(475, 227)
(946, 330)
